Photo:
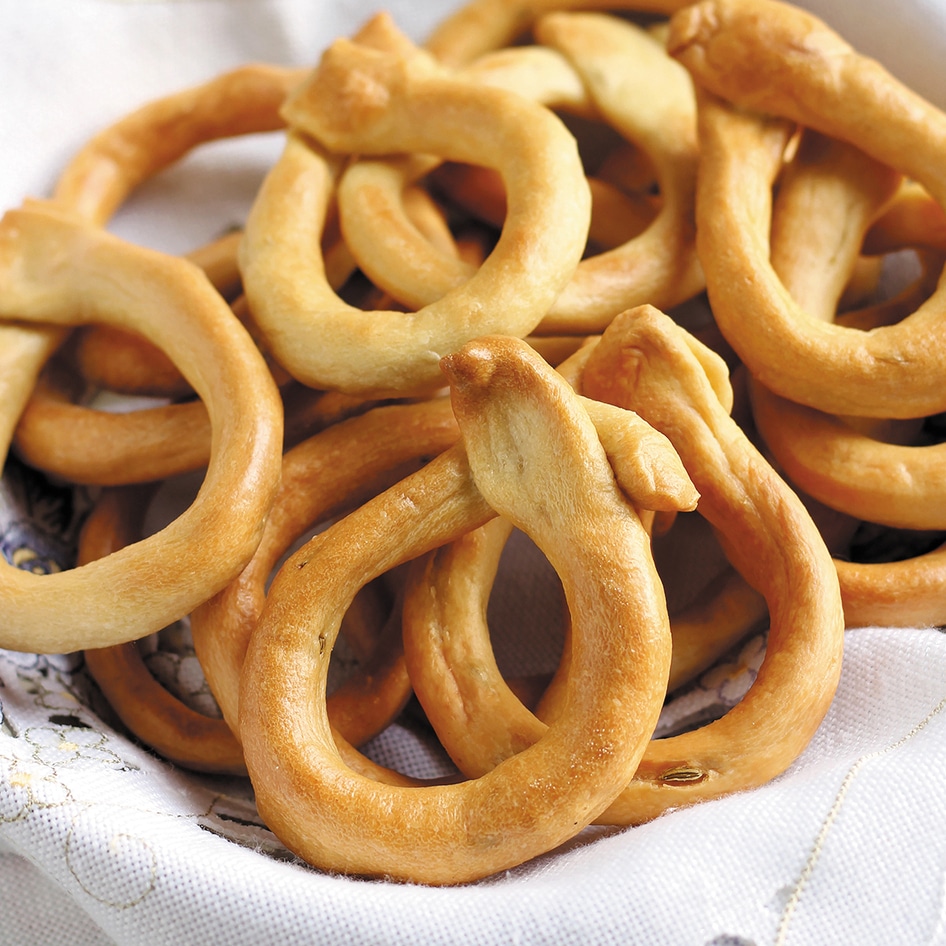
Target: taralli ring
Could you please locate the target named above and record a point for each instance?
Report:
(323, 476)
(621, 64)
(155, 715)
(480, 26)
(326, 343)
(893, 484)
(645, 361)
(629, 83)
(53, 434)
(55, 269)
(768, 58)
(525, 438)
(848, 468)
(97, 179)
(102, 174)
(374, 217)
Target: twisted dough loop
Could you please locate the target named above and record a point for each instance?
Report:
(54, 433)
(770, 58)
(157, 717)
(845, 468)
(860, 467)
(361, 100)
(321, 477)
(103, 173)
(55, 269)
(535, 456)
(595, 66)
(622, 65)
(139, 445)
(646, 362)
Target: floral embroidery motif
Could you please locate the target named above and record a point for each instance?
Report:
(32, 769)
(32, 784)
(61, 745)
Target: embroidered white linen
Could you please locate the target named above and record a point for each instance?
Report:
(101, 843)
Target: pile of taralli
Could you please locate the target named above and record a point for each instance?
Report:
(585, 273)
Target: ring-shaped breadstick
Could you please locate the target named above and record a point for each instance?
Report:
(808, 443)
(155, 715)
(53, 432)
(907, 593)
(398, 257)
(659, 266)
(645, 361)
(480, 26)
(412, 107)
(847, 469)
(768, 57)
(119, 158)
(114, 162)
(622, 68)
(104, 172)
(526, 440)
(418, 220)
(125, 363)
(894, 484)
(447, 641)
(477, 715)
(449, 653)
(55, 269)
(322, 476)
(378, 229)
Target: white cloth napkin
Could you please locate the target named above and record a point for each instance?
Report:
(102, 843)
